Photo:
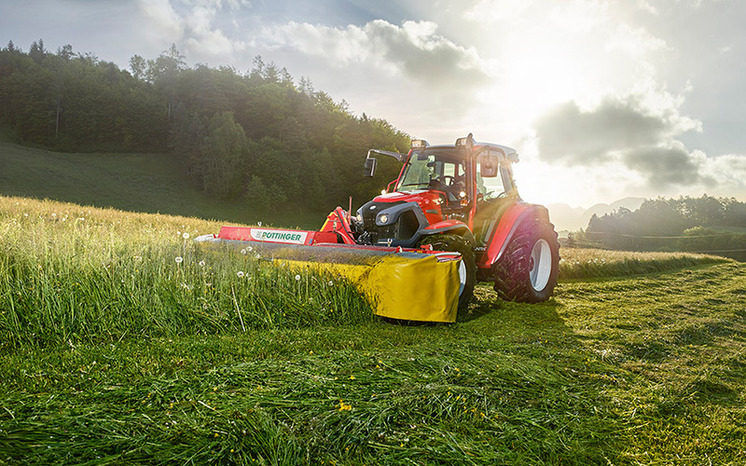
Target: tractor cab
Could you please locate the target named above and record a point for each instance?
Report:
(439, 188)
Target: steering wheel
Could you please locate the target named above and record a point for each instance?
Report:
(444, 179)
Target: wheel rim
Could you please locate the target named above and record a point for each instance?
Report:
(541, 265)
(461, 276)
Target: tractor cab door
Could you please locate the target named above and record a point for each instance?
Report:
(495, 193)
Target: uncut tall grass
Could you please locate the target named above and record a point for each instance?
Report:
(71, 274)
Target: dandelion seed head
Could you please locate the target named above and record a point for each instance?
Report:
(259, 223)
(297, 277)
(243, 251)
(202, 263)
(331, 283)
(179, 259)
(185, 235)
(249, 248)
(257, 256)
(240, 274)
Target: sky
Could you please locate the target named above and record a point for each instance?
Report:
(603, 99)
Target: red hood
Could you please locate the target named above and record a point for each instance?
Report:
(428, 200)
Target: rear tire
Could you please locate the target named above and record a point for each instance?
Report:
(467, 266)
(527, 271)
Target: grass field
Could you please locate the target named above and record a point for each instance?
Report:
(122, 343)
(133, 182)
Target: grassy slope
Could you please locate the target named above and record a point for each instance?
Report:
(133, 182)
(645, 369)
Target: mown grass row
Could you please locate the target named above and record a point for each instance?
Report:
(69, 274)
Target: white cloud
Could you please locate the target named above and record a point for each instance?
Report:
(202, 39)
(635, 42)
(193, 28)
(414, 50)
(164, 24)
(629, 135)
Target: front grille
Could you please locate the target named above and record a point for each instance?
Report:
(398, 233)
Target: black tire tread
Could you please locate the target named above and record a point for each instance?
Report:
(512, 282)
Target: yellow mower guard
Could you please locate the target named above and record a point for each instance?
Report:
(422, 289)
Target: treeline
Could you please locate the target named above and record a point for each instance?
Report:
(706, 224)
(258, 135)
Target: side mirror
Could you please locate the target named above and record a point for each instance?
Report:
(370, 167)
(489, 166)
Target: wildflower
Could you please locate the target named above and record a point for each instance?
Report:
(243, 251)
(331, 283)
(297, 278)
(179, 259)
(257, 256)
(202, 263)
(344, 406)
(259, 223)
(54, 214)
(240, 274)
(352, 377)
(249, 249)
(185, 235)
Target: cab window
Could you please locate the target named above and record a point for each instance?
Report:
(489, 180)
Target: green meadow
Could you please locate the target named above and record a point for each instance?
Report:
(123, 343)
(153, 183)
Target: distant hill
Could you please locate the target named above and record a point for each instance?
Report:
(566, 217)
(133, 182)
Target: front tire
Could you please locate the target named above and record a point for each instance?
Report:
(527, 271)
(467, 266)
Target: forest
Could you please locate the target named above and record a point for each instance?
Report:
(704, 224)
(257, 136)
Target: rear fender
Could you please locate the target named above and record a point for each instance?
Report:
(505, 229)
(449, 226)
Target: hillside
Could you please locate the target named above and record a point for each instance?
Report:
(256, 137)
(132, 182)
(566, 217)
(120, 342)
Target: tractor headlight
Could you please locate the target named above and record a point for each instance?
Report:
(383, 218)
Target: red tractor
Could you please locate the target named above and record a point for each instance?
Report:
(462, 198)
(451, 198)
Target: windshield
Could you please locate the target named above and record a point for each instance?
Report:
(427, 171)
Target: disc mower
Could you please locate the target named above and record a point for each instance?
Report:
(451, 218)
